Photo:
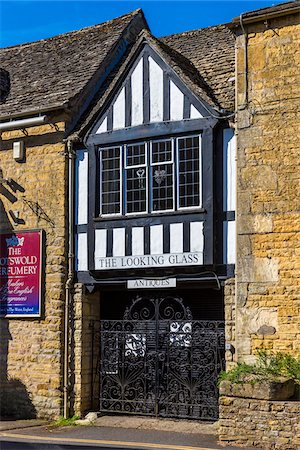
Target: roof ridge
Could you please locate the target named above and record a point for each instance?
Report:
(68, 33)
(195, 30)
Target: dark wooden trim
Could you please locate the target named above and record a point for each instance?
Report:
(128, 103)
(186, 107)
(147, 240)
(166, 238)
(166, 97)
(149, 220)
(146, 89)
(208, 195)
(185, 276)
(109, 119)
(186, 236)
(92, 192)
(204, 108)
(109, 242)
(128, 240)
(229, 216)
(82, 228)
(150, 130)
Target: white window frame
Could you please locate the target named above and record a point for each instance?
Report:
(120, 214)
(152, 164)
(139, 213)
(149, 164)
(189, 208)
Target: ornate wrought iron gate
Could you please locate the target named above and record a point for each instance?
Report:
(159, 361)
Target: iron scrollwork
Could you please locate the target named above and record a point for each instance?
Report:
(159, 361)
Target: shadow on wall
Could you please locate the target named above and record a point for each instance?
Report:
(15, 402)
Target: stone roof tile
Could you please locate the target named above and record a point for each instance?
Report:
(51, 72)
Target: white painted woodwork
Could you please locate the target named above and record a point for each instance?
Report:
(81, 187)
(229, 170)
(119, 111)
(100, 243)
(156, 239)
(229, 229)
(194, 113)
(103, 126)
(137, 241)
(156, 77)
(137, 94)
(196, 237)
(82, 252)
(176, 102)
(176, 238)
(119, 242)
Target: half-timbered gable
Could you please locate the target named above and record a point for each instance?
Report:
(149, 181)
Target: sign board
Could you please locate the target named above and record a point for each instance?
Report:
(141, 262)
(20, 274)
(151, 284)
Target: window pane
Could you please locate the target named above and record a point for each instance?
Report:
(110, 180)
(161, 151)
(188, 171)
(162, 187)
(135, 155)
(136, 186)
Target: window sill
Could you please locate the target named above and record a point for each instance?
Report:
(152, 215)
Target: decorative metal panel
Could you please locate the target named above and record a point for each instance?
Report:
(159, 361)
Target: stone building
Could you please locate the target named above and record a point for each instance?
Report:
(121, 148)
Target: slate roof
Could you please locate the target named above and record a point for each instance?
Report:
(52, 72)
(212, 53)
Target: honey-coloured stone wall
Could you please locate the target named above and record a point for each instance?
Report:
(32, 348)
(268, 188)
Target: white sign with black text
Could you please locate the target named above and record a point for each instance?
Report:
(151, 284)
(141, 262)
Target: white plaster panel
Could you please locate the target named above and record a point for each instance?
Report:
(103, 126)
(176, 238)
(229, 230)
(156, 77)
(137, 94)
(176, 102)
(100, 243)
(156, 240)
(194, 113)
(119, 242)
(82, 252)
(229, 170)
(196, 237)
(119, 111)
(137, 241)
(81, 187)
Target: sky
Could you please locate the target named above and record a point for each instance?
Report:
(27, 21)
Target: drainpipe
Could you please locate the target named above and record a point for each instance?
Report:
(23, 123)
(70, 279)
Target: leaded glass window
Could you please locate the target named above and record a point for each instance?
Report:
(162, 175)
(151, 176)
(188, 172)
(136, 178)
(111, 181)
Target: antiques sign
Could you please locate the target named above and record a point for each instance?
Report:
(140, 262)
(20, 274)
(151, 284)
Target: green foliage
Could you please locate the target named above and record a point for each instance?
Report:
(62, 422)
(268, 367)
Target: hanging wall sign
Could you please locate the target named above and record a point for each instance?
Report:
(20, 274)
